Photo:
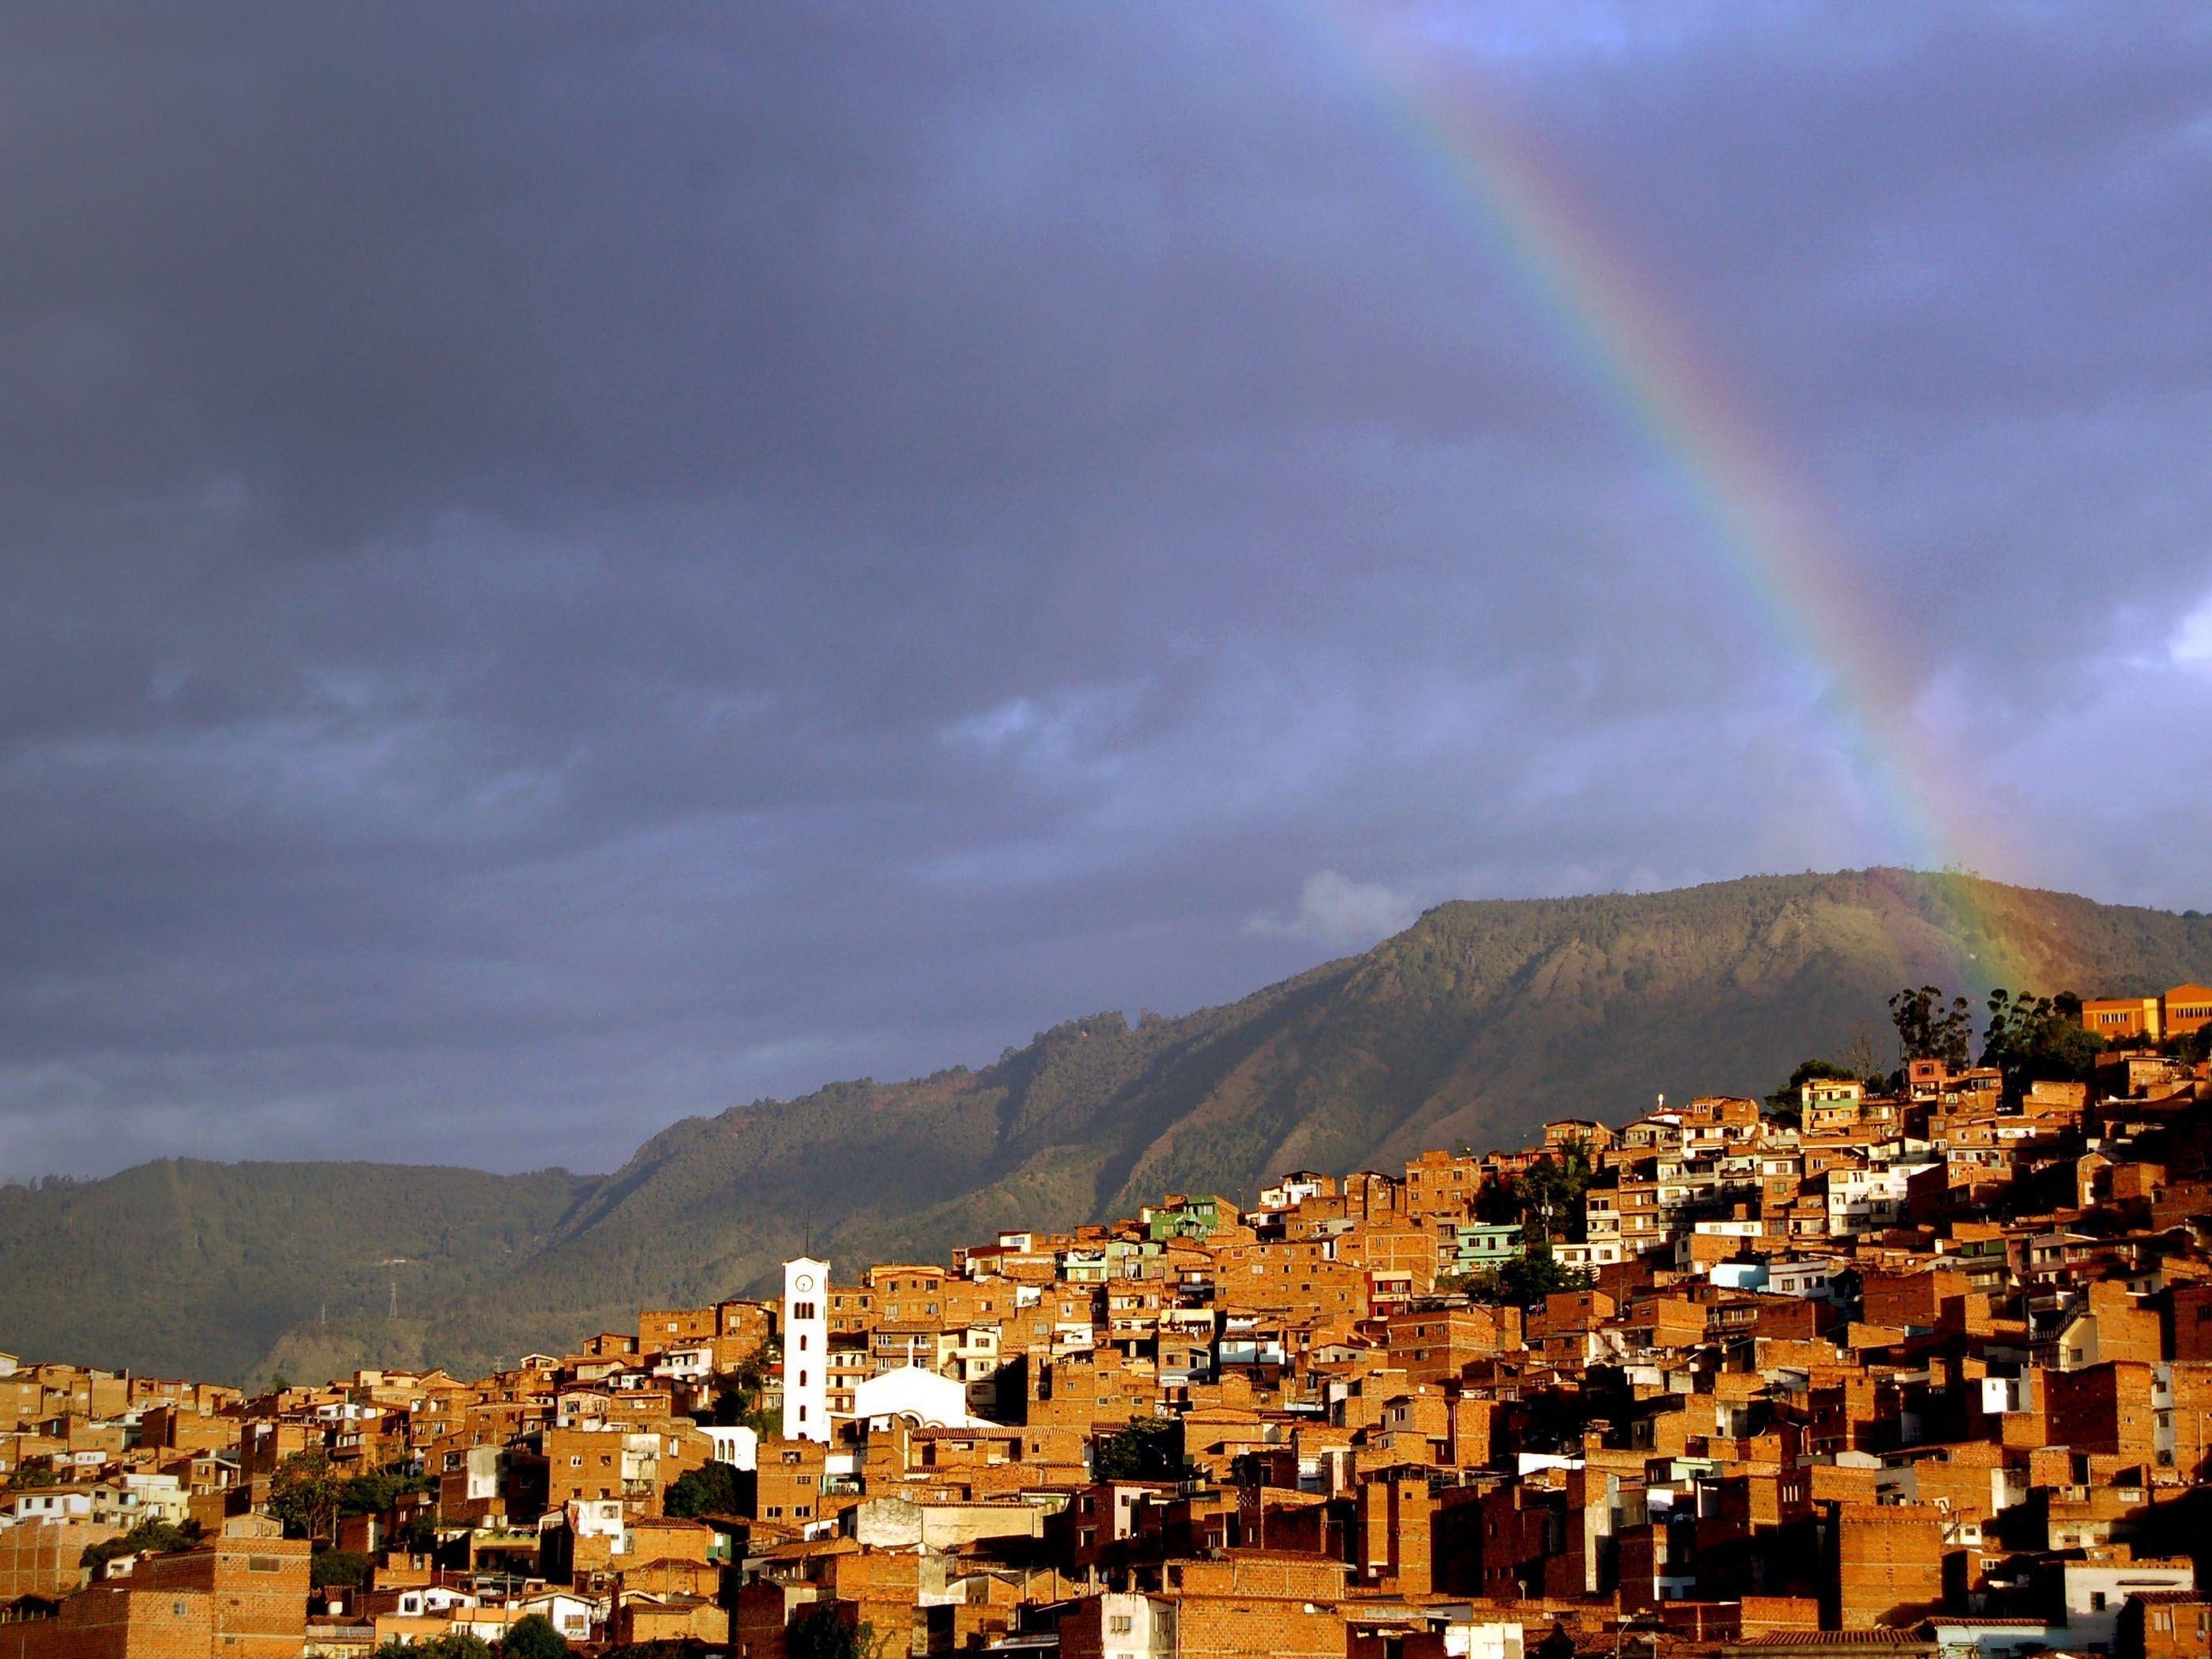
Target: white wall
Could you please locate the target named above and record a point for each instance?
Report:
(807, 1350)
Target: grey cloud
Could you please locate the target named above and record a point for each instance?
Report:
(572, 565)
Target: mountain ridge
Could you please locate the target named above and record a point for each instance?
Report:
(1475, 1023)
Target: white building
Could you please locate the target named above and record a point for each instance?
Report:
(1812, 1277)
(807, 1350)
(2095, 1593)
(737, 1447)
(921, 1397)
(1137, 1627)
(1867, 1201)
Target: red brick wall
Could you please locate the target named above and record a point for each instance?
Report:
(40, 1557)
(1258, 1627)
(2189, 1321)
(2105, 1408)
(1888, 1564)
(2162, 1629)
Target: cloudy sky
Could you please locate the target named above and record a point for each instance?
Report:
(565, 566)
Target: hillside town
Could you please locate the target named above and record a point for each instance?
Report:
(1911, 1365)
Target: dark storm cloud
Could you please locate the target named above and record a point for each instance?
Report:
(568, 566)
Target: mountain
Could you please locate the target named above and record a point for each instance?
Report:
(1475, 1025)
(188, 1268)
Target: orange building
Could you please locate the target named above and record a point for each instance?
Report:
(244, 1596)
(2180, 1012)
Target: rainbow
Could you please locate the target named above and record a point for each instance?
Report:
(1763, 523)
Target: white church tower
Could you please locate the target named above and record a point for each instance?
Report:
(806, 1350)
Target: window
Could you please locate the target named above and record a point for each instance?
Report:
(1119, 1625)
(264, 1563)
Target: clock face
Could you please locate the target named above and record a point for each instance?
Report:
(803, 1282)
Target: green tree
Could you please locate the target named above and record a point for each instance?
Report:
(1928, 1030)
(1149, 1449)
(147, 1538)
(337, 1569)
(710, 1489)
(304, 1494)
(1498, 1200)
(454, 1644)
(821, 1633)
(1550, 1193)
(533, 1637)
(376, 1492)
(1521, 1281)
(737, 1392)
(2039, 1040)
(1809, 1070)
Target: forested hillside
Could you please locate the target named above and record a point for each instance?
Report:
(195, 1269)
(1473, 1025)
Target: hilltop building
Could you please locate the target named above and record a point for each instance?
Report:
(2182, 1012)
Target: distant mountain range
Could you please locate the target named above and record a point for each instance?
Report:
(1475, 1025)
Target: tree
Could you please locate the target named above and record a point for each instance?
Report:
(337, 1569)
(1498, 1200)
(1861, 1057)
(1546, 1197)
(737, 1392)
(1521, 1281)
(454, 1644)
(304, 1494)
(1551, 1192)
(147, 1538)
(1149, 1449)
(710, 1489)
(820, 1633)
(1927, 1030)
(1785, 1101)
(533, 1637)
(2039, 1040)
(376, 1492)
